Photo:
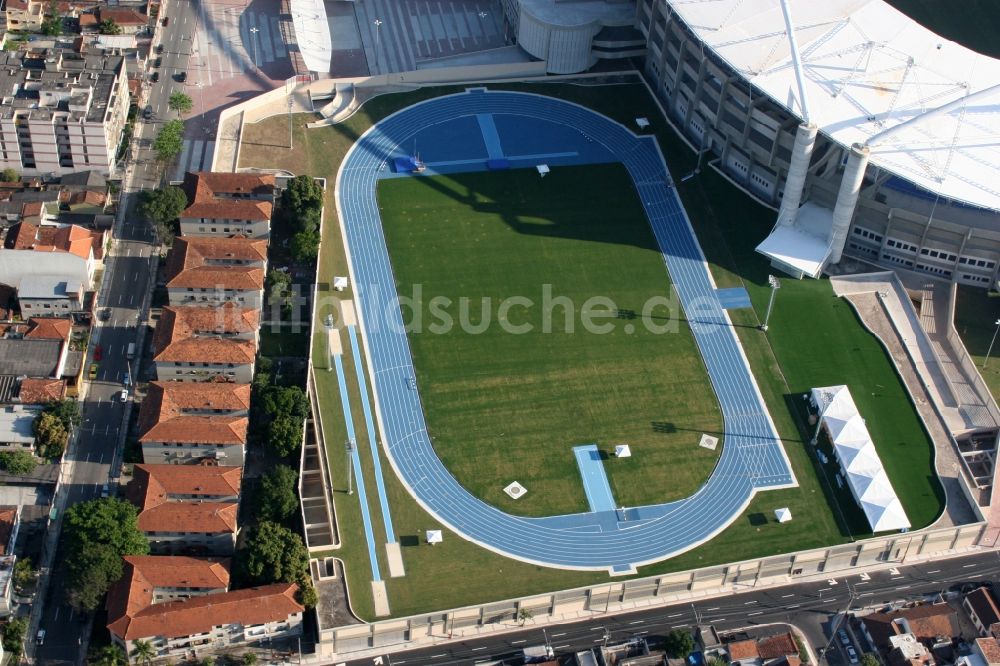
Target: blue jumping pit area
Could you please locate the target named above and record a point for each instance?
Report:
(595, 480)
(532, 130)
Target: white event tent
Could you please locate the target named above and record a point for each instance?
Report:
(855, 451)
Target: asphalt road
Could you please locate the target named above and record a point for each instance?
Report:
(125, 284)
(810, 606)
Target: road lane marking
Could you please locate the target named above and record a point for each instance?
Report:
(749, 603)
(678, 626)
(935, 571)
(637, 622)
(558, 635)
(785, 596)
(473, 649)
(712, 609)
(755, 613)
(793, 606)
(676, 615)
(968, 566)
(558, 647)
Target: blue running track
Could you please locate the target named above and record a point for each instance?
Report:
(752, 457)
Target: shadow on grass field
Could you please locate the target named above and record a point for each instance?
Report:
(729, 225)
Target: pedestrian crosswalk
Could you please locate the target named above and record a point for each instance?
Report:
(195, 156)
(399, 34)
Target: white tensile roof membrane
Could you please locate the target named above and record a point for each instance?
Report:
(868, 68)
(859, 460)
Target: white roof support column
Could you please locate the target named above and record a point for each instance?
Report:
(847, 200)
(798, 168)
(793, 45)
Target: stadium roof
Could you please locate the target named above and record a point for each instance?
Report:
(868, 68)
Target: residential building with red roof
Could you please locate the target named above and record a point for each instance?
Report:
(228, 204)
(10, 524)
(128, 19)
(41, 390)
(188, 509)
(235, 618)
(84, 243)
(206, 343)
(194, 422)
(207, 270)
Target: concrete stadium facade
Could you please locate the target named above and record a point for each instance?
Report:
(752, 139)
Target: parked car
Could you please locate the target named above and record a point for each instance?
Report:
(92, 373)
(181, 76)
(147, 113)
(844, 638)
(159, 48)
(123, 396)
(98, 353)
(105, 313)
(166, 21)
(154, 77)
(157, 62)
(852, 655)
(105, 491)
(40, 637)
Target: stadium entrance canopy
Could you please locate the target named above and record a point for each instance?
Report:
(928, 108)
(859, 462)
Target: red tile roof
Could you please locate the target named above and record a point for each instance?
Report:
(212, 196)
(741, 650)
(39, 391)
(990, 649)
(123, 16)
(256, 605)
(180, 412)
(69, 238)
(197, 335)
(49, 328)
(144, 573)
(196, 263)
(192, 517)
(152, 485)
(779, 645)
(8, 520)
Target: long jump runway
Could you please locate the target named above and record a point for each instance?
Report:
(752, 457)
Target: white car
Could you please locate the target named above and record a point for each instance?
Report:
(123, 396)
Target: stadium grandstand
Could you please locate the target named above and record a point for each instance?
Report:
(872, 136)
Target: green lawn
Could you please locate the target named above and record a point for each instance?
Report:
(976, 314)
(729, 225)
(505, 405)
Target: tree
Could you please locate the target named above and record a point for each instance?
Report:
(262, 373)
(523, 615)
(715, 661)
(868, 659)
(302, 192)
(96, 534)
(678, 644)
(284, 435)
(108, 655)
(307, 595)
(14, 633)
(109, 27)
(276, 499)
(278, 283)
(305, 246)
(170, 140)
(143, 652)
(277, 401)
(17, 462)
(180, 103)
(163, 206)
(24, 573)
(9, 175)
(274, 554)
(52, 22)
(67, 409)
(51, 435)
(249, 658)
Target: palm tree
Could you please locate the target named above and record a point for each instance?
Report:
(143, 652)
(109, 655)
(523, 615)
